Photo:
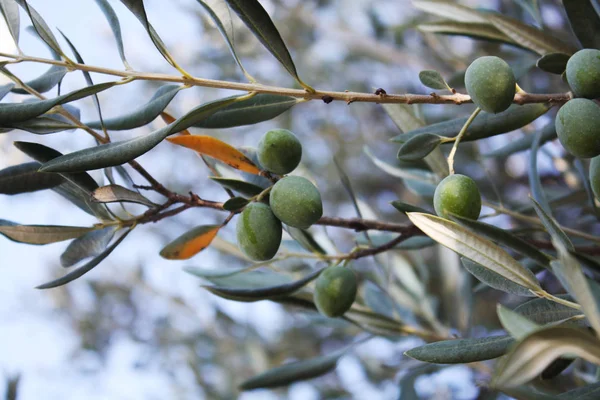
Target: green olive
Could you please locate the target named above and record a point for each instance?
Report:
(335, 291)
(583, 73)
(279, 151)
(491, 84)
(258, 232)
(578, 127)
(457, 194)
(296, 202)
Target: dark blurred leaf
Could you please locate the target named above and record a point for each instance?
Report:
(505, 238)
(259, 108)
(115, 27)
(45, 82)
(418, 147)
(474, 30)
(535, 183)
(556, 368)
(142, 115)
(117, 153)
(495, 280)
(432, 79)
(43, 125)
(262, 293)
(587, 392)
(258, 21)
(43, 154)
(377, 300)
(219, 13)
(235, 203)
(462, 351)
(90, 244)
(242, 187)
(11, 113)
(414, 174)
(533, 8)
(555, 63)
(40, 234)
(12, 382)
(524, 143)
(190, 243)
(532, 355)
(584, 21)
(79, 272)
(293, 372)
(42, 29)
(10, 11)
(25, 178)
(485, 124)
(552, 226)
(240, 278)
(404, 207)
(116, 193)
(583, 176)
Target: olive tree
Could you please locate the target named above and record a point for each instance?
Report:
(538, 247)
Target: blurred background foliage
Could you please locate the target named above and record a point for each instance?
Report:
(140, 327)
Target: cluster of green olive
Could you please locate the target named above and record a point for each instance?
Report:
(296, 202)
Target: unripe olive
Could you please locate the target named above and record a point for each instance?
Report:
(335, 291)
(583, 73)
(258, 232)
(578, 127)
(595, 176)
(457, 194)
(279, 151)
(491, 84)
(296, 202)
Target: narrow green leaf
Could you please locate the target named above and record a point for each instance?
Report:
(485, 125)
(552, 227)
(414, 174)
(144, 114)
(584, 21)
(418, 147)
(219, 13)
(42, 125)
(494, 280)
(259, 108)
(293, 372)
(88, 245)
(82, 199)
(432, 79)
(242, 187)
(40, 26)
(462, 351)
(5, 89)
(24, 178)
(40, 234)
(117, 153)
(555, 63)
(533, 354)
(115, 27)
(543, 311)
(44, 154)
(11, 113)
(524, 143)
(116, 193)
(505, 238)
(403, 116)
(240, 278)
(535, 183)
(79, 272)
(254, 16)
(263, 293)
(235, 203)
(474, 247)
(514, 323)
(45, 82)
(405, 208)
(10, 11)
(473, 30)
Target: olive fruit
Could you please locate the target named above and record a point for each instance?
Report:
(595, 176)
(258, 232)
(491, 84)
(459, 195)
(296, 202)
(583, 73)
(279, 151)
(578, 127)
(335, 291)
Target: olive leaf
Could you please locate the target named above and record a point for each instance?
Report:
(587, 392)
(42, 125)
(495, 280)
(242, 187)
(544, 311)
(555, 63)
(514, 323)
(432, 79)
(535, 183)
(474, 247)
(584, 21)
(474, 30)
(40, 234)
(190, 243)
(414, 174)
(115, 27)
(419, 146)
(116, 193)
(252, 13)
(6, 88)
(45, 82)
(235, 203)
(10, 11)
(462, 351)
(524, 143)
(405, 208)
(41, 27)
(535, 352)
(142, 115)
(403, 116)
(88, 245)
(25, 178)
